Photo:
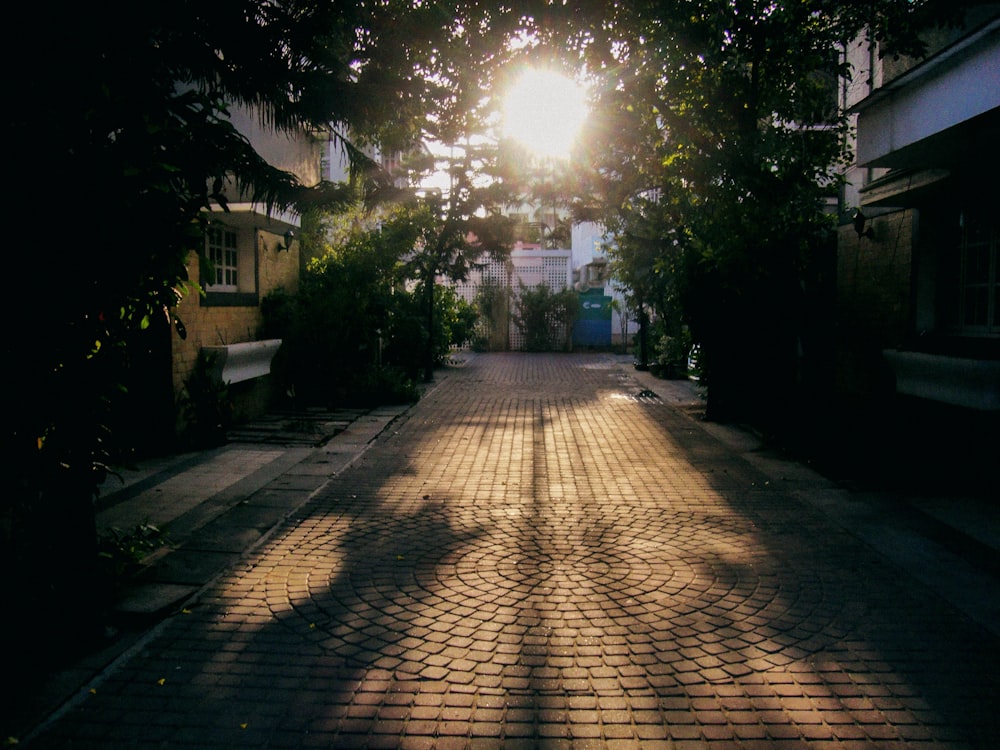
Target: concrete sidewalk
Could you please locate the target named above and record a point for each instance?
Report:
(546, 551)
(216, 505)
(213, 507)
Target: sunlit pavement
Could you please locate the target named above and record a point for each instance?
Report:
(543, 553)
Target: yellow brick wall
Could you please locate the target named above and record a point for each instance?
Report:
(213, 326)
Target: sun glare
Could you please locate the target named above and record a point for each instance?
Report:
(544, 111)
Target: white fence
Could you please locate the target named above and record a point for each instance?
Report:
(527, 266)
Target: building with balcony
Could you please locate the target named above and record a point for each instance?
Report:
(918, 261)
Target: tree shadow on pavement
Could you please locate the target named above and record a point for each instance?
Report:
(535, 555)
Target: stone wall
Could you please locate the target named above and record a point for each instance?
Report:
(873, 304)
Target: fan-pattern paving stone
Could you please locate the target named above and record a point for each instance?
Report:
(543, 556)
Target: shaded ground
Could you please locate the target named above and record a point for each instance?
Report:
(545, 553)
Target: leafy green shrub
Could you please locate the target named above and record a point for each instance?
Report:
(670, 353)
(355, 333)
(545, 318)
(458, 320)
(120, 553)
(205, 406)
(492, 307)
(379, 386)
(333, 329)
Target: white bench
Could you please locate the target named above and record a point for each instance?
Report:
(972, 383)
(235, 363)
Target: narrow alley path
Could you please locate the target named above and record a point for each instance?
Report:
(542, 554)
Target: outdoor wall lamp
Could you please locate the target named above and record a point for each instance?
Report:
(859, 225)
(284, 244)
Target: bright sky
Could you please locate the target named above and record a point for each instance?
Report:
(544, 111)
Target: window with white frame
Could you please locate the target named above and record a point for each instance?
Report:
(223, 253)
(979, 293)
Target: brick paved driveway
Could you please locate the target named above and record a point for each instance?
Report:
(540, 555)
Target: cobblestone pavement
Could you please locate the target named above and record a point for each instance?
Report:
(542, 554)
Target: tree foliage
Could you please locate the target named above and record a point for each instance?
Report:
(717, 146)
(122, 138)
(453, 231)
(359, 320)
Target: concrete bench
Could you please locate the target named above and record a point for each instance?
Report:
(235, 363)
(971, 383)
